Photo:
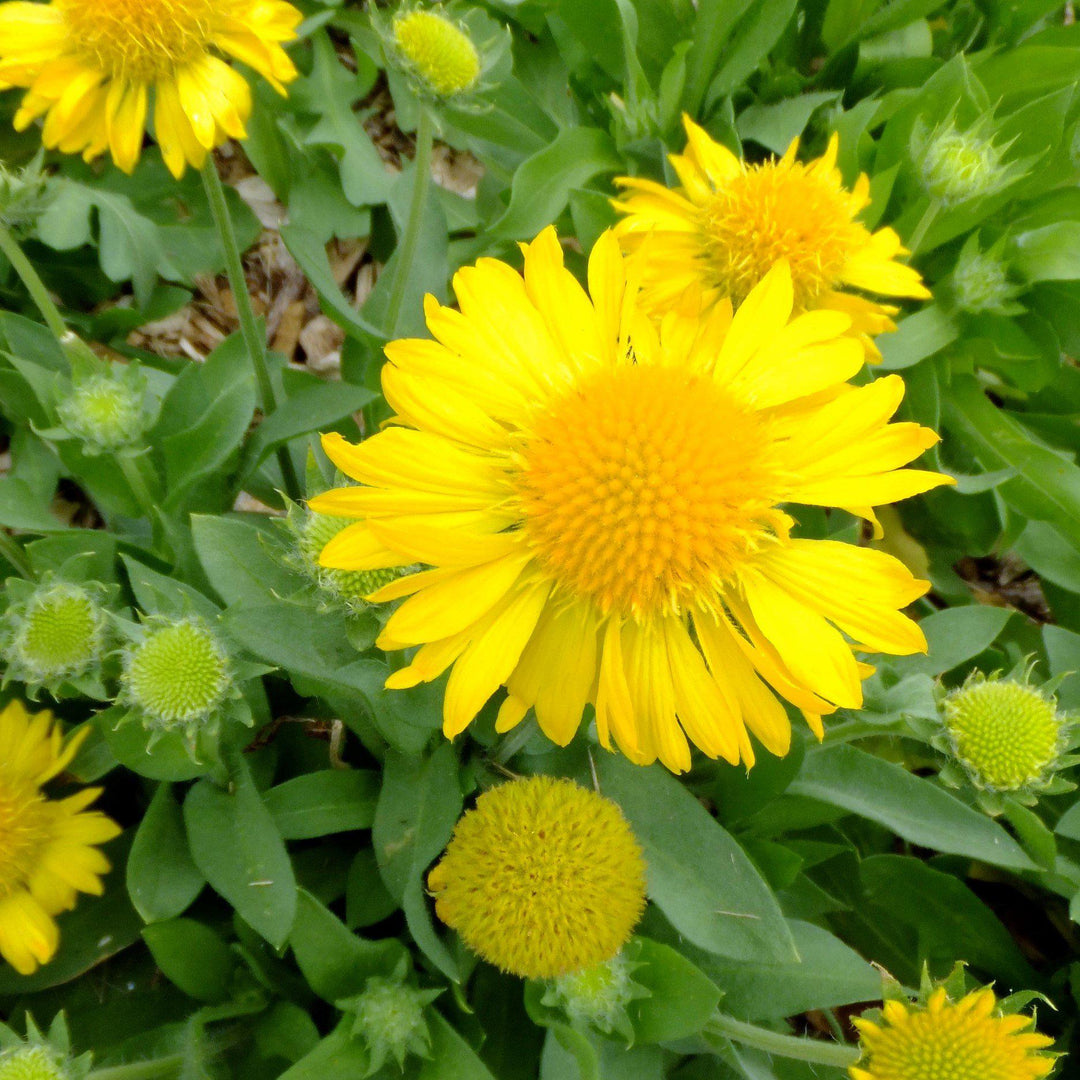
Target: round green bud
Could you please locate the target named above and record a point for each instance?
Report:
(389, 1017)
(349, 587)
(981, 283)
(177, 675)
(1005, 733)
(59, 632)
(437, 51)
(23, 196)
(598, 996)
(31, 1063)
(105, 413)
(960, 165)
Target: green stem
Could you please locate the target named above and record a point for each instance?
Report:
(34, 285)
(928, 219)
(789, 1046)
(13, 553)
(140, 1070)
(249, 326)
(406, 252)
(137, 482)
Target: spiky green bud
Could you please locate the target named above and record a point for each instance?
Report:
(598, 996)
(389, 1017)
(980, 281)
(177, 676)
(32, 1063)
(23, 195)
(349, 587)
(957, 166)
(106, 412)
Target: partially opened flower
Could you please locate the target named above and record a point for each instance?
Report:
(601, 509)
(48, 850)
(91, 67)
(730, 223)
(974, 1038)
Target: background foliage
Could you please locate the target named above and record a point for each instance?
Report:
(774, 893)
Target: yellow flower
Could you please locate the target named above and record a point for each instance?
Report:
(46, 846)
(729, 223)
(89, 67)
(542, 878)
(964, 1040)
(442, 56)
(600, 504)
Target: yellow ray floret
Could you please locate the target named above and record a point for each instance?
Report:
(729, 223)
(965, 1040)
(47, 847)
(94, 69)
(600, 507)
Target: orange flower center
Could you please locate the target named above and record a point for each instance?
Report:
(776, 211)
(141, 40)
(644, 488)
(25, 820)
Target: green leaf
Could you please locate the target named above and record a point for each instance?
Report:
(698, 875)
(21, 509)
(238, 558)
(338, 1057)
(324, 802)
(681, 997)
(236, 845)
(774, 126)
(913, 808)
(334, 960)
(542, 184)
(1051, 253)
(418, 807)
(192, 957)
(162, 879)
(956, 635)
(916, 337)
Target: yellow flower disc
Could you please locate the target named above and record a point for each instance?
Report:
(965, 1040)
(730, 223)
(441, 55)
(1004, 732)
(91, 66)
(542, 878)
(47, 851)
(610, 523)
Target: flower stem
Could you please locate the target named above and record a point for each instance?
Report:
(34, 285)
(789, 1046)
(140, 1070)
(137, 482)
(13, 553)
(249, 327)
(928, 219)
(406, 252)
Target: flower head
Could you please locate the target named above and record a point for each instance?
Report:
(941, 1039)
(58, 632)
(542, 878)
(90, 67)
(47, 847)
(389, 1017)
(106, 412)
(440, 54)
(603, 509)
(177, 676)
(730, 223)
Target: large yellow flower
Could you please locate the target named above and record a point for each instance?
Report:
(729, 223)
(89, 67)
(46, 846)
(601, 506)
(943, 1040)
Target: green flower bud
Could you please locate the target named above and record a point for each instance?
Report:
(957, 166)
(598, 996)
(105, 412)
(980, 282)
(23, 195)
(349, 587)
(32, 1063)
(389, 1017)
(437, 52)
(177, 676)
(58, 632)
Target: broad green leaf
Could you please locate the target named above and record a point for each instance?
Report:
(237, 847)
(21, 509)
(162, 879)
(1051, 253)
(240, 560)
(775, 126)
(698, 875)
(324, 802)
(916, 337)
(956, 635)
(193, 957)
(914, 808)
(681, 997)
